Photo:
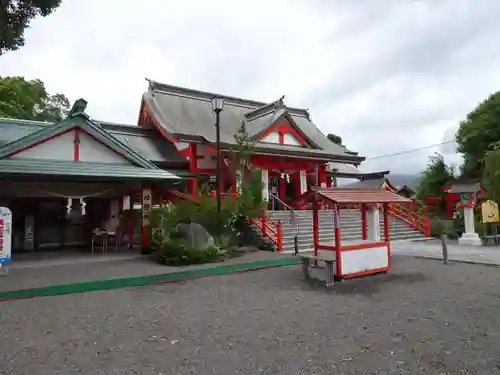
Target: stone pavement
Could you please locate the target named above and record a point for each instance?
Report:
(432, 249)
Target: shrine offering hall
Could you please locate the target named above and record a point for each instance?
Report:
(63, 180)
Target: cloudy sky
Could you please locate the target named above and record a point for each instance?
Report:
(386, 75)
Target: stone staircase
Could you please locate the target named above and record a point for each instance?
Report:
(350, 224)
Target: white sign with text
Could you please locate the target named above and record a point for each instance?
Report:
(5, 235)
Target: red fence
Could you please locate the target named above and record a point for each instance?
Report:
(272, 230)
(417, 221)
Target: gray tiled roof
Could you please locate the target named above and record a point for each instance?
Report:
(342, 168)
(146, 142)
(464, 187)
(35, 167)
(186, 113)
(375, 183)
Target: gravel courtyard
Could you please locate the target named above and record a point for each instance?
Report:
(421, 318)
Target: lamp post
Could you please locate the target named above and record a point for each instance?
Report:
(217, 107)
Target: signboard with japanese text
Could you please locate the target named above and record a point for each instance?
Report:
(5, 235)
(147, 201)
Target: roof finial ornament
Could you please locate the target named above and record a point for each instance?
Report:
(78, 108)
(279, 103)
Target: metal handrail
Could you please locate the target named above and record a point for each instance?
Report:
(286, 206)
(293, 211)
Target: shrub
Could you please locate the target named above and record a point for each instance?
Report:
(222, 225)
(170, 249)
(439, 226)
(174, 252)
(453, 228)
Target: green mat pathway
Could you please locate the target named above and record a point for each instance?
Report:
(125, 282)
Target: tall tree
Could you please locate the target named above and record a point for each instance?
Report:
(15, 17)
(491, 172)
(29, 100)
(478, 134)
(435, 176)
(335, 139)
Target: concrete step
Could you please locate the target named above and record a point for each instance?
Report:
(350, 224)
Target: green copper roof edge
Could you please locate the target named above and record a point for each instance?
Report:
(127, 282)
(31, 138)
(89, 126)
(16, 121)
(46, 167)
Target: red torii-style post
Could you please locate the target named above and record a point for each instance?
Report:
(370, 254)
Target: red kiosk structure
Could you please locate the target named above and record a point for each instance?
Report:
(351, 259)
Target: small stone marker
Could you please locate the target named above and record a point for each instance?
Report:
(444, 244)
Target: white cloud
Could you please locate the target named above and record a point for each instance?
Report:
(385, 75)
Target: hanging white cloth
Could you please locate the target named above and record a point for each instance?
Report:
(81, 199)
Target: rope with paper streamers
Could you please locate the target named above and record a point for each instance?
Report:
(69, 204)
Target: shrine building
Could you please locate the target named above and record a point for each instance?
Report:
(62, 180)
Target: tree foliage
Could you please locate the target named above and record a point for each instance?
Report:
(29, 100)
(491, 173)
(249, 180)
(15, 17)
(334, 139)
(248, 203)
(436, 174)
(240, 162)
(478, 134)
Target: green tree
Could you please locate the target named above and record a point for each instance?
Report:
(15, 17)
(478, 134)
(29, 100)
(335, 139)
(436, 174)
(491, 172)
(240, 159)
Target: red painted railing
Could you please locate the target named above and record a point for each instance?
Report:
(417, 221)
(272, 230)
(213, 194)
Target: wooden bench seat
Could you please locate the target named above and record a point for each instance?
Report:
(326, 256)
(494, 237)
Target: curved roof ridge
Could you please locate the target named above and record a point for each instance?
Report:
(207, 95)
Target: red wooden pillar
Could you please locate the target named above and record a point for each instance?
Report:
(193, 168)
(387, 233)
(131, 226)
(386, 222)
(315, 226)
(364, 227)
(338, 254)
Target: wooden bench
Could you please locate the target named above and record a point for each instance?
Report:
(494, 237)
(327, 257)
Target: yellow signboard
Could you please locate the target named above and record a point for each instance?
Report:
(489, 212)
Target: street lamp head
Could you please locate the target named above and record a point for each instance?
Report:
(217, 104)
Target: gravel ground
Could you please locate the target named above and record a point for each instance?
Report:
(24, 278)
(421, 318)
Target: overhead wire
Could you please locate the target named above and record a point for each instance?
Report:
(409, 151)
